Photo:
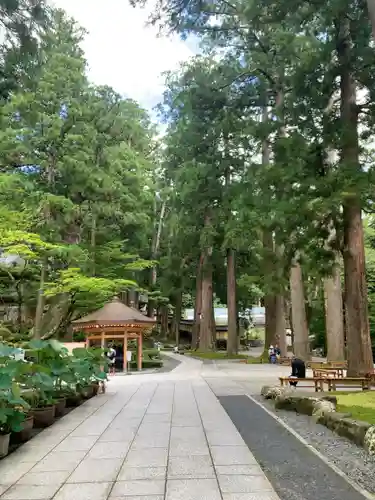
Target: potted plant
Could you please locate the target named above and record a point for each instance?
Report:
(84, 386)
(95, 387)
(100, 364)
(42, 398)
(26, 429)
(90, 364)
(51, 362)
(60, 405)
(69, 383)
(13, 407)
(12, 415)
(61, 377)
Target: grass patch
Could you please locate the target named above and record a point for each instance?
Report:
(216, 355)
(360, 404)
(255, 361)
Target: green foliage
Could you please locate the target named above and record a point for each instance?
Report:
(49, 374)
(92, 205)
(76, 187)
(262, 140)
(12, 405)
(86, 291)
(151, 354)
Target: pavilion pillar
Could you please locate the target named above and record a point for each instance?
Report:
(125, 351)
(102, 342)
(87, 342)
(140, 347)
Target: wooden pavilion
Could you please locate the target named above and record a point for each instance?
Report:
(114, 321)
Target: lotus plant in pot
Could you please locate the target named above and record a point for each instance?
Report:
(69, 381)
(99, 362)
(13, 407)
(84, 386)
(91, 365)
(42, 400)
(13, 410)
(52, 360)
(84, 369)
(62, 380)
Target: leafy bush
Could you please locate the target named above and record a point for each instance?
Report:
(79, 337)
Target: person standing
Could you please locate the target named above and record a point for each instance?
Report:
(111, 355)
(277, 352)
(272, 354)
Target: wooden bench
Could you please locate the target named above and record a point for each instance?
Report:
(284, 361)
(333, 364)
(328, 372)
(315, 382)
(363, 382)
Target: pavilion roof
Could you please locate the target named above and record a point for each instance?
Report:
(114, 313)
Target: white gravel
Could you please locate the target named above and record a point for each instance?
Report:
(348, 457)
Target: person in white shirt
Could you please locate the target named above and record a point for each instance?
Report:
(111, 355)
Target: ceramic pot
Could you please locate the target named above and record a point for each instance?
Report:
(60, 407)
(4, 445)
(43, 417)
(95, 388)
(87, 392)
(73, 400)
(27, 428)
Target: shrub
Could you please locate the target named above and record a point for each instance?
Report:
(151, 354)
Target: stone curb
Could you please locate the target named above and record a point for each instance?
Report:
(323, 410)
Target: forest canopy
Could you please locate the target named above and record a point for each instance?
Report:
(260, 192)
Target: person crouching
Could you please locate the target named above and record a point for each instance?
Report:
(298, 371)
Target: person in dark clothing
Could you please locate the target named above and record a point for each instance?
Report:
(298, 370)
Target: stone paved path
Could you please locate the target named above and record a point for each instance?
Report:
(150, 437)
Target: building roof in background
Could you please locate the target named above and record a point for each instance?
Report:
(256, 314)
(9, 260)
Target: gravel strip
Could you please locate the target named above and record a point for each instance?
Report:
(293, 470)
(169, 364)
(349, 458)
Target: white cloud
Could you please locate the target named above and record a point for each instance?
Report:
(124, 53)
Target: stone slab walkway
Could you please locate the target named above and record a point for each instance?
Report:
(151, 438)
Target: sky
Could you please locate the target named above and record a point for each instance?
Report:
(124, 53)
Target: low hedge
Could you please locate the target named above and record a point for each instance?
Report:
(147, 363)
(151, 354)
